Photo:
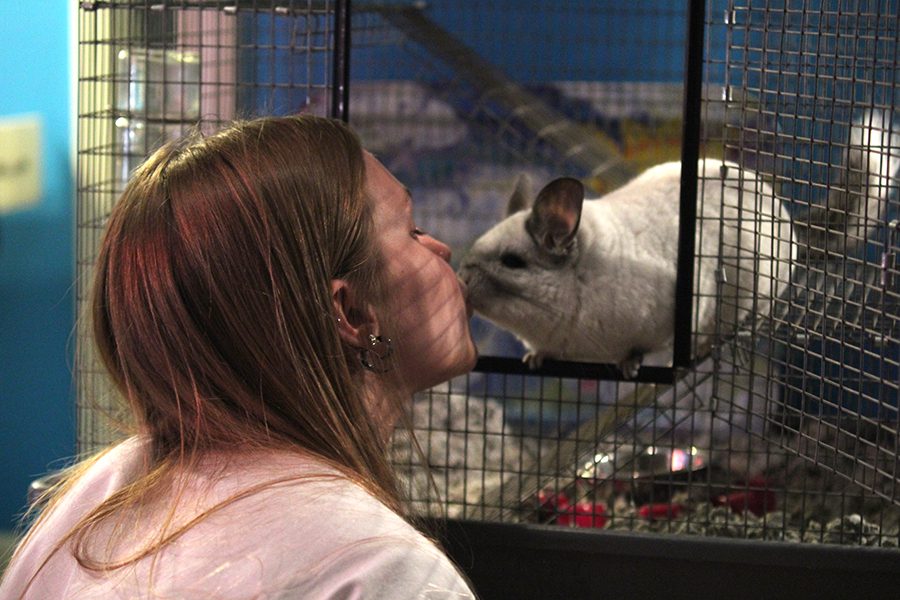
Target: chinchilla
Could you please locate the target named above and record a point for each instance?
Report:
(594, 280)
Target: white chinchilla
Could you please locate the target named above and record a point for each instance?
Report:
(595, 280)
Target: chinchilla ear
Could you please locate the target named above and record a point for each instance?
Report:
(521, 196)
(556, 214)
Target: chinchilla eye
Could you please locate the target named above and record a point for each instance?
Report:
(512, 261)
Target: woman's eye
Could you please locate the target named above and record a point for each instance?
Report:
(417, 232)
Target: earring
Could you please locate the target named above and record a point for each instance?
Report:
(374, 356)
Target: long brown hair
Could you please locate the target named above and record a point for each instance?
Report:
(212, 306)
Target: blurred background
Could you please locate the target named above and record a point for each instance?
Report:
(37, 430)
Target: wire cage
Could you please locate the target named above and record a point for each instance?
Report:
(149, 72)
(785, 429)
(782, 426)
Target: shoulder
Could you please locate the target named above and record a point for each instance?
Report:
(387, 567)
(346, 543)
(87, 484)
(90, 482)
(311, 512)
(278, 526)
(316, 534)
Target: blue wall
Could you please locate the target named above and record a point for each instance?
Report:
(37, 415)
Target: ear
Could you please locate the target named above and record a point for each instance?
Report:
(521, 196)
(556, 214)
(355, 319)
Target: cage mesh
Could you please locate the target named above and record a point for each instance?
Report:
(784, 428)
(149, 72)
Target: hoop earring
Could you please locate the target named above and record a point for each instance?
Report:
(374, 356)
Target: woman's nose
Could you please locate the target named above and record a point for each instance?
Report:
(439, 248)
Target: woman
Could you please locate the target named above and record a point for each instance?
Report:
(266, 305)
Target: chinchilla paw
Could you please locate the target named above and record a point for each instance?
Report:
(631, 365)
(534, 359)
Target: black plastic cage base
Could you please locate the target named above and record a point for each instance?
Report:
(544, 563)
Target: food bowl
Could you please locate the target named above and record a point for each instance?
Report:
(649, 473)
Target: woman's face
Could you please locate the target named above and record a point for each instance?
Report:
(425, 300)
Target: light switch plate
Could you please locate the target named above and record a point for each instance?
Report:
(20, 162)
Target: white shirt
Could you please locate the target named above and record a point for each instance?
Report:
(309, 538)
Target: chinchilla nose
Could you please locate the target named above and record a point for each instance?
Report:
(464, 272)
